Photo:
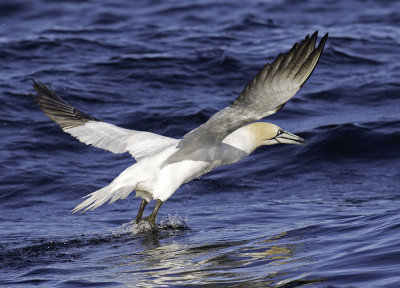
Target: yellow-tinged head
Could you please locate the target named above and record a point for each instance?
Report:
(269, 134)
(251, 136)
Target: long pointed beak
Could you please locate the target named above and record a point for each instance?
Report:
(289, 138)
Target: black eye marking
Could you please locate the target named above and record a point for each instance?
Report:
(280, 131)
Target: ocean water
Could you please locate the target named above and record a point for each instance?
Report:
(321, 215)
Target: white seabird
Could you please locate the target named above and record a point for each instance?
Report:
(163, 164)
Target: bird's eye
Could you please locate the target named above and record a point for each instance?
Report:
(280, 131)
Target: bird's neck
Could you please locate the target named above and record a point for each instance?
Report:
(244, 139)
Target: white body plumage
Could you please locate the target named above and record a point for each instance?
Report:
(163, 163)
(151, 179)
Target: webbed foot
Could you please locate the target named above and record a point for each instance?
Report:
(151, 219)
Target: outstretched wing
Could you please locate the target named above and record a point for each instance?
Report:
(92, 131)
(270, 89)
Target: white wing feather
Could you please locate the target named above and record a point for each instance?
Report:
(91, 131)
(119, 140)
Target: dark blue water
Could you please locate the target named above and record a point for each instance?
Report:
(322, 215)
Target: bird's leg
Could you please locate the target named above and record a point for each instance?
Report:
(152, 217)
(140, 212)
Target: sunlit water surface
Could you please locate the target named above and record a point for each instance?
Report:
(325, 214)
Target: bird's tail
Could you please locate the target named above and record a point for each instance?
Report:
(119, 188)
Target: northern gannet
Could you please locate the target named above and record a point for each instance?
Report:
(163, 164)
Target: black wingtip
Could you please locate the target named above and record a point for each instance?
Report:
(36, 83)
(57, 108)
(321, 44)
(315, 34)
(36, 87)
(323, 39)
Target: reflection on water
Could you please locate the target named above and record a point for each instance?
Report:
(272, 261)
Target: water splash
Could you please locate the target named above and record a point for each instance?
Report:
(132, 228)
(174, 222)
(170, 222)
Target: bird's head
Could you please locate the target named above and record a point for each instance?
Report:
(270, 134)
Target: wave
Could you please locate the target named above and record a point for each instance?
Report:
(366, 141)
(345, 57)
(366, 93)
(46, 251)
(11, 8)
(358, 147)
